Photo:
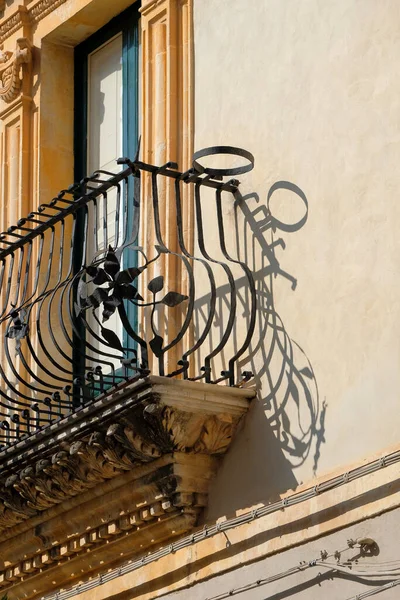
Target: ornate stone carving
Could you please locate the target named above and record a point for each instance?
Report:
(127, 472)
(215, 436)
(149, 506)
(22, 15)
(152, 517)
(10, 69)
(43, 8)
(12, 23)
(165, 421)
(104, 455)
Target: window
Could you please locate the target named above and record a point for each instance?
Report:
(106, 128)
(106, 95)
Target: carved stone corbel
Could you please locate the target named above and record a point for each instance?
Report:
(10, 69)
(129, 472)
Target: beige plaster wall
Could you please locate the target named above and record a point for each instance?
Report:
(311, 88)
(316, 582)
(347, 509)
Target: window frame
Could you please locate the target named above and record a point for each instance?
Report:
(126, 23)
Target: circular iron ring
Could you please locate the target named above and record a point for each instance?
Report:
(214, 172)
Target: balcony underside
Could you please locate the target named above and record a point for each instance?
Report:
(115, 478)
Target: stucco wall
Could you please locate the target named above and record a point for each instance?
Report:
(311, 88)
(316, 582)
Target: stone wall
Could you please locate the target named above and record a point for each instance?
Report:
(321, 580)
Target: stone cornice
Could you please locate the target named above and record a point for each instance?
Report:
(32, 15)
(159, 513)
(13, 23)
(58, 566)
(204, 399)
(156, 417)
(150, 5)
(42, 8)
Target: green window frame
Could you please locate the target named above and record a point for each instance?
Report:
(126, 23)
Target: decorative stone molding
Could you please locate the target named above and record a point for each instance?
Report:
(43, 8)
(10, 69)
(145, 522)
(23, 15)
(152, 504)
(13, 23)
(127, 472)
(162, 423)
(148, 5)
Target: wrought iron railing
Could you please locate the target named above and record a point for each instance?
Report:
(75, 321)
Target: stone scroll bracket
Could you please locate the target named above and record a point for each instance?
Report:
(11, 69)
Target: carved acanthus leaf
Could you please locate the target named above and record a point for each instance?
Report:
(215, 437)
(98, 469)
(116, 455)
(26, 487)
(10, 69)
(153, 416)
(72, 471)
(13, 508)
(144, 450)
(183, 428)
(174, 427)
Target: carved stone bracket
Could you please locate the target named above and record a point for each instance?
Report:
(172, 416)
(10, 69)
(127, 472)
(131, 427)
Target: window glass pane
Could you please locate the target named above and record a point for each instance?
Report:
(105, 106)
(104, 137)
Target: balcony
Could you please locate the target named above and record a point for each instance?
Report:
(121, 380)
(75, 325)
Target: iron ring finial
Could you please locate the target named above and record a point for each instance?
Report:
(213, 150)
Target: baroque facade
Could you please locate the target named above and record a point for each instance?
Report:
(199, 344)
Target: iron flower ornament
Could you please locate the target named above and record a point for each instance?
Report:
(121, 289)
